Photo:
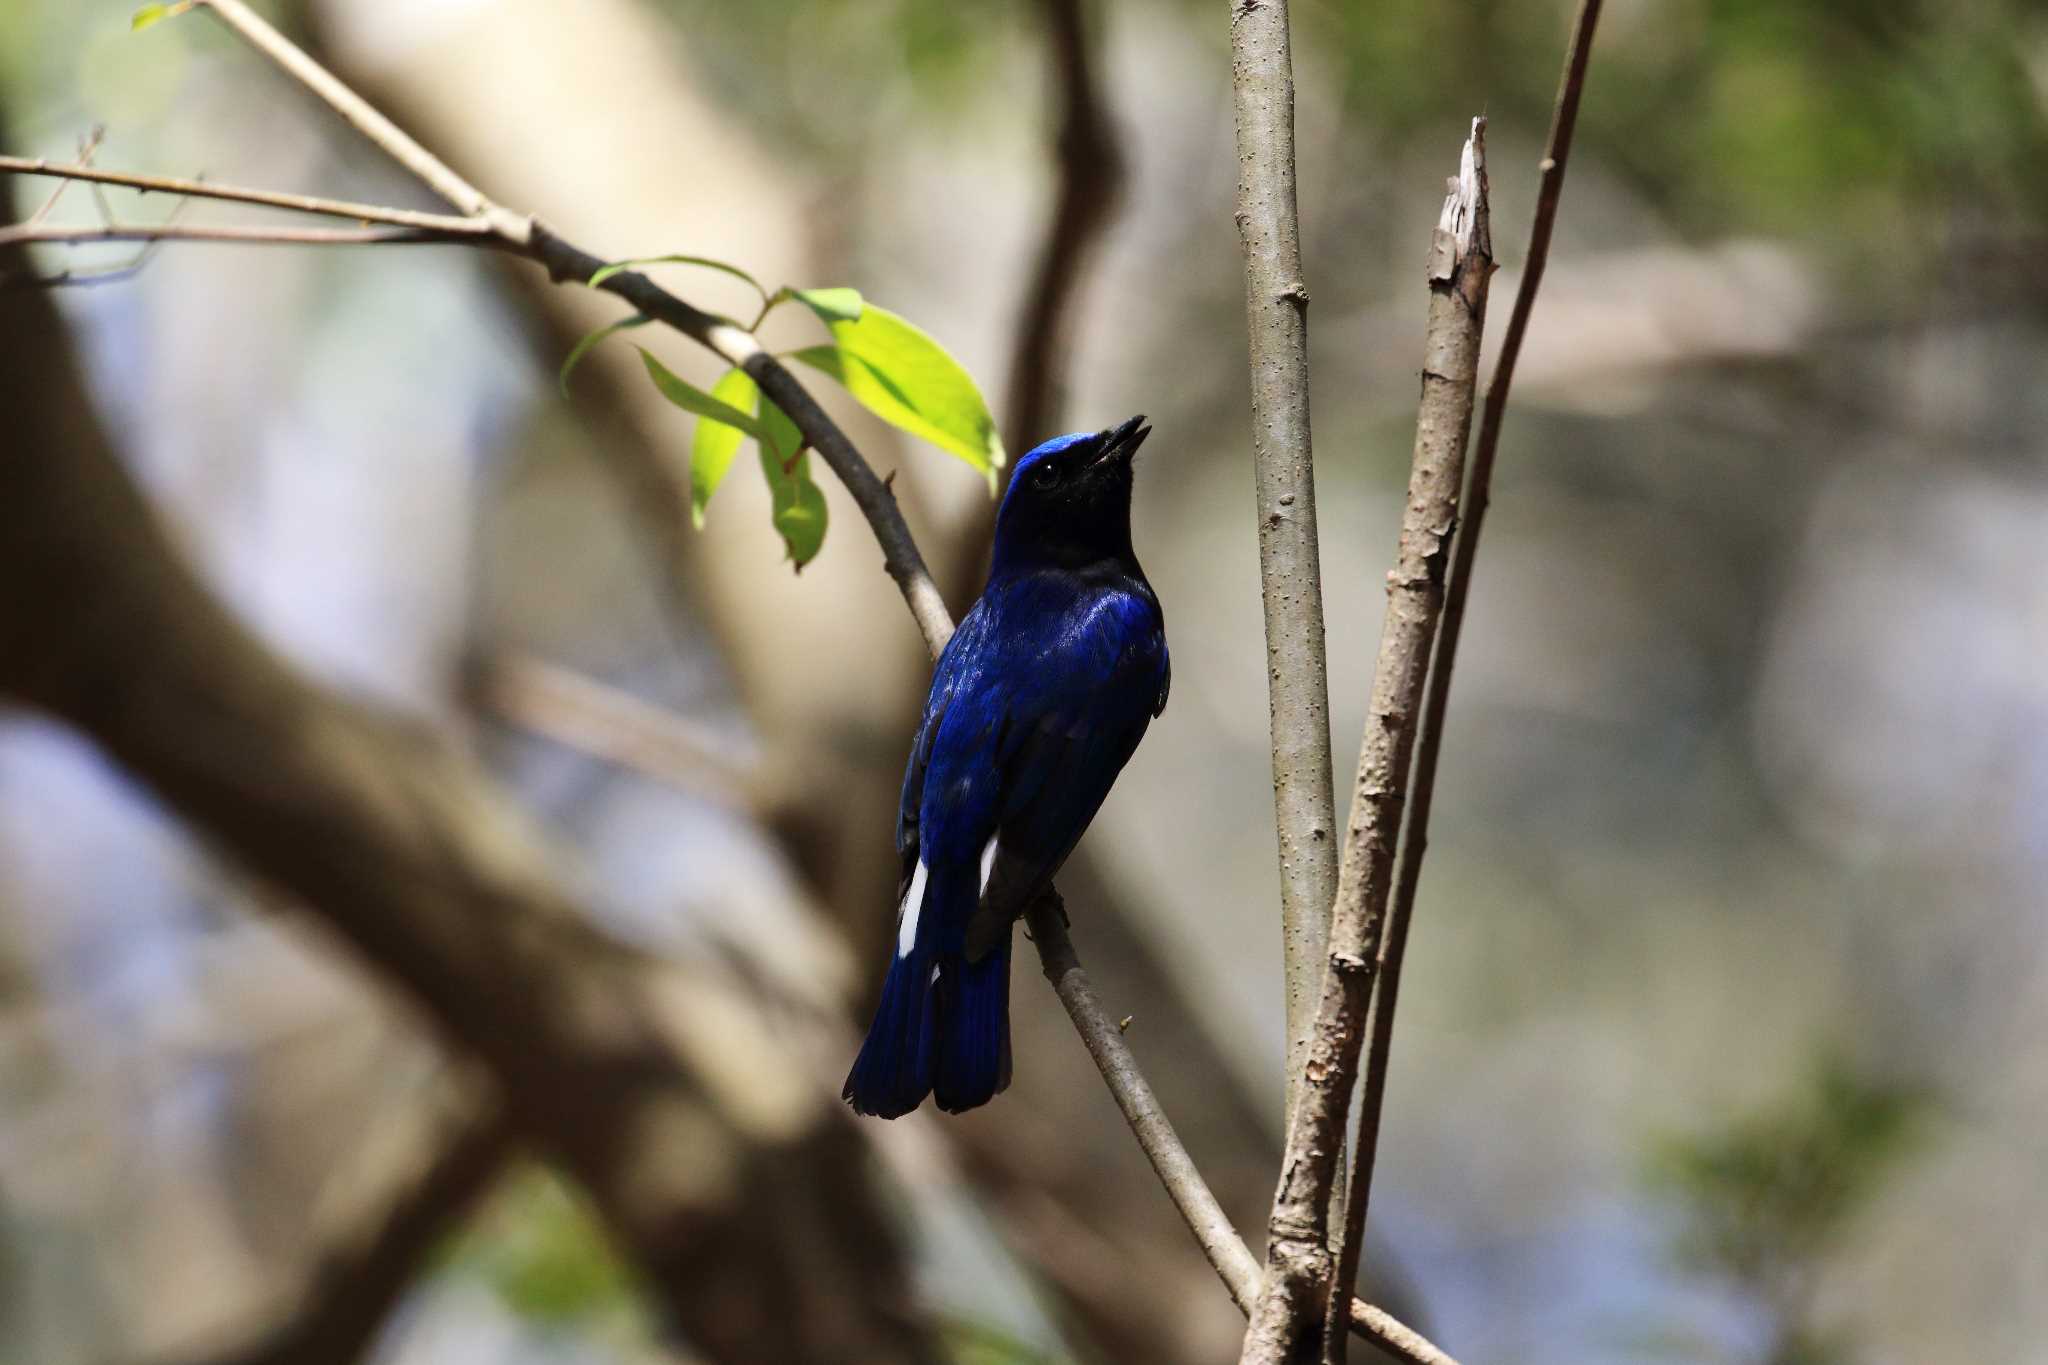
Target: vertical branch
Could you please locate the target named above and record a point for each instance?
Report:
(1464, 548)
(1276, 316)
(1289, 1320)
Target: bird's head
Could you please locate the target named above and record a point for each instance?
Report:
(1070, 500)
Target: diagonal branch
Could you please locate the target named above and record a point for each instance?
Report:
(1289, 1321)
(361, 115)
(1290, 574)
(205, 189)
(1464, 548)
(239, 234)
(1227, 1253)
(88, 147)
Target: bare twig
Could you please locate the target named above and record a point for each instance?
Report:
(88, 146)
(239, 194)
(1299, 1265)
(238, 234)
(1290, 575)
(1104, 1039)
(1464, 548)
(362, 115)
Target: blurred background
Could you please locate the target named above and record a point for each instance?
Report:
(1725, 1035)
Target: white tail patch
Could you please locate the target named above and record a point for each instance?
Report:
(988, 861)
(907, 913)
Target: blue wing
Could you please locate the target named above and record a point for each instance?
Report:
(1028, 727)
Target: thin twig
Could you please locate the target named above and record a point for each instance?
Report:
(240, 194)
(238, 234)
(1464, 548)
(1226, 1251)
(361, 115)
(1296, 1294)
(88, 147)
(1290, 574)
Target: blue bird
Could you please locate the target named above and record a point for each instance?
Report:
(1038, 701)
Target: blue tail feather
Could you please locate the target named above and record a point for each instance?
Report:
(893, 1073)
(943, 1023)
(973, 1061)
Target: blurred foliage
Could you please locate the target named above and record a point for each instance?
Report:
(1766, 1198)
(539, 1247)
(816, 73)
(1839, 117)
(973, 1342)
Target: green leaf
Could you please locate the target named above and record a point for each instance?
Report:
(899, 373)
(582, 348)
(716, 443)
(836, 304)
(799, 504)
(150, 14)
(617, 266)
(782, 433)
(690, 398)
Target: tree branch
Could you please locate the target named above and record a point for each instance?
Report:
(241, 235)
(1290, 575)
(1464, 549)
(447, 223)
(1289, 1322)
(1233, 1261)
(363, 116)
(88, 147)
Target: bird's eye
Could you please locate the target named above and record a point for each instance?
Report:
(1045, 475)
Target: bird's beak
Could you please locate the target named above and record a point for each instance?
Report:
(1121, 443)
